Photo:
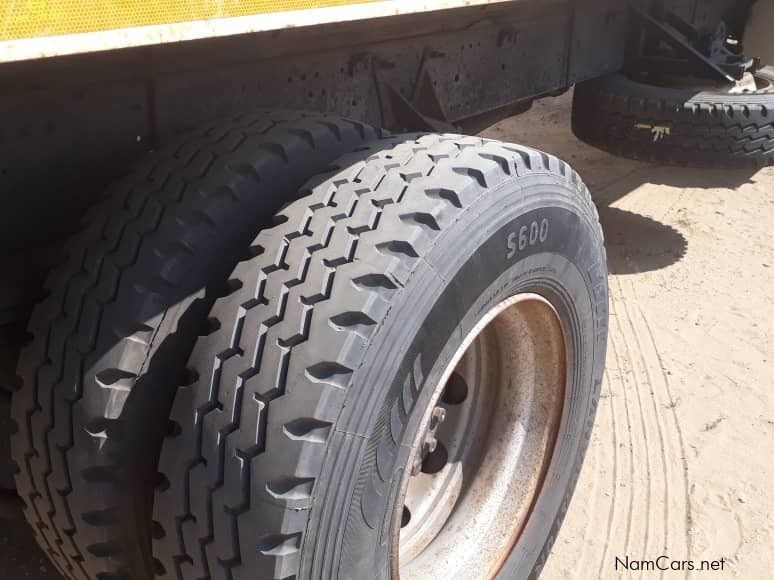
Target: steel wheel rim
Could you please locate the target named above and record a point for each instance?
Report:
(502, 395)
(751, 84)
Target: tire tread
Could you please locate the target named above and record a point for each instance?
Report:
(306, 308)
(99, 328)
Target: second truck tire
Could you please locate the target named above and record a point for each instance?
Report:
(111, 340)
(692, 126)
(438, 304)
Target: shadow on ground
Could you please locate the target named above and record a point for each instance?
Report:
(635, 243)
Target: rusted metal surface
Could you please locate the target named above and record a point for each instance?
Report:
(483, 465)
(84, 36)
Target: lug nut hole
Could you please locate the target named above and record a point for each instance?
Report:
(435, 461)
(405, 518)
(456, 390)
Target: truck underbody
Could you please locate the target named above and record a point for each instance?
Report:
(451, 70)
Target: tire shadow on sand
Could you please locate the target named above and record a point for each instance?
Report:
(637, 244)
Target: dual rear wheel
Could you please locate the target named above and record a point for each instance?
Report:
(398, 378)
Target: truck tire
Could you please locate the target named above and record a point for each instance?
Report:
(678, 126)
(6, 465)
(327, 369)
(111, 340)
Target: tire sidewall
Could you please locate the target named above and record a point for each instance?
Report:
(472, 268)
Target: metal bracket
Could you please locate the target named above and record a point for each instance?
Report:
(422, 111)
(663, 43)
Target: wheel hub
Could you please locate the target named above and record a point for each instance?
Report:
(430, 441)
(484, 445)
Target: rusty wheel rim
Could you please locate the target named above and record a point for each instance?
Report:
(484, 444)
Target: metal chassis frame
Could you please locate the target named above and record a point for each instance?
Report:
(694, 53)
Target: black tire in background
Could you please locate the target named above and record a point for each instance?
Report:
(690, 126)
(111, 340)
(290, 443)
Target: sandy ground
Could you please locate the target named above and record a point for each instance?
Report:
(681, 459)
(680, 462)
(757, 37)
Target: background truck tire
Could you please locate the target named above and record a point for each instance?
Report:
(285, 455)
(678, 126)
(111, 340)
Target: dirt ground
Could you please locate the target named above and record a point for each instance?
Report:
(681, 459)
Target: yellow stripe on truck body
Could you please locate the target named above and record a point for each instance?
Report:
(32, 18)
(42, 28)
